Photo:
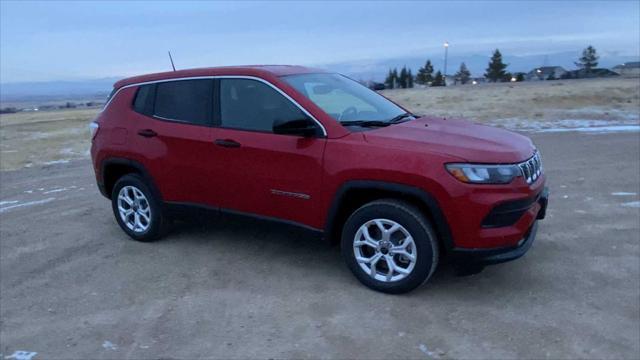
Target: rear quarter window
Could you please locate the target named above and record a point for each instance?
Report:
(143, 103)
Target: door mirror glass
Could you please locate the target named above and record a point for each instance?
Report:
(301, 127)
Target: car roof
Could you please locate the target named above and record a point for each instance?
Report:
(261, 71)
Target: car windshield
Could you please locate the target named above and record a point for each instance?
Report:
(346, 100)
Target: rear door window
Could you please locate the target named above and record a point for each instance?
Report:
(188, 101)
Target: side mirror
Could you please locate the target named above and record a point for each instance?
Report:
(301, 127)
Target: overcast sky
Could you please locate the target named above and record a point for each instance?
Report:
(50, 40)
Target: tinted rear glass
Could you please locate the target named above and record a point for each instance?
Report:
(142, 99)
(185, 100)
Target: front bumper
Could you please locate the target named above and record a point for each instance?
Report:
(504, 254)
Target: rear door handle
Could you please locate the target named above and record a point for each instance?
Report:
(228, 143)
(147, 133)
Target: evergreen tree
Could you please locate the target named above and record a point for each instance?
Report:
(395, 78)
(438, 80)
(425, 74)
(409, 79)
(429, 71)
(402, 79)
(520, 77)
(588, 60)
(463, 75)
(388, 81)
(496, 70)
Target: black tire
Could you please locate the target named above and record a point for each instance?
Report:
(414, 222)
(156, 225)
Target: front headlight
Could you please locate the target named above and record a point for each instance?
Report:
(484, 174)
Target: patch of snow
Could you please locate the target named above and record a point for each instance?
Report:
(425, 350)
(63, 161)
(67, 151)
(28, 191)
(58, 190)
(526, 124)
(623, 193)
(632, 204)
(109, 345)
(9, 151)
(22, 355)
(30, 203)
(8, 202)
(596, 129)
(433, 354)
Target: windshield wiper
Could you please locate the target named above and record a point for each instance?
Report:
(365, 123)
(400, 117)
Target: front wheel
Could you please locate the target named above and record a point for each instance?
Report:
(390, 246)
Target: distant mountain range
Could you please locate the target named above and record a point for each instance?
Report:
(375, 69)
(56, 90)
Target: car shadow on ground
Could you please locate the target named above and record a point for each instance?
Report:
(251, 238)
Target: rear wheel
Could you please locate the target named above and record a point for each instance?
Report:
(137, 210)
(390, 246)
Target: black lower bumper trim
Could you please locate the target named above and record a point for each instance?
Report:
(508, 213)
(544, 202)
(496, 256)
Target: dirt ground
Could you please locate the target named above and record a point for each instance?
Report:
(73, 286)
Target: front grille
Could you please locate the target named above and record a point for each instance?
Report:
(532, 168)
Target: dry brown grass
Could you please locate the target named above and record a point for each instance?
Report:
(616, 99)
(37, 138)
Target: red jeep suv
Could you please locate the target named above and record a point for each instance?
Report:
(316, 149)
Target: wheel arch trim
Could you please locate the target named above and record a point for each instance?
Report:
(140, 168)
(425, 198)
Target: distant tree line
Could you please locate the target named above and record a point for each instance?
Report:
(9, 110)
(399, 80)
(67, 105)
(496, 71)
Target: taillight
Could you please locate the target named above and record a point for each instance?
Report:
(94, 127)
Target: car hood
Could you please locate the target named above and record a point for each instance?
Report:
(463, 139)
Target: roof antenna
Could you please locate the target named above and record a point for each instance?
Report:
(170, 58)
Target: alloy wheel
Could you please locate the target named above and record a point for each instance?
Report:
(385, 250)
(134, 209)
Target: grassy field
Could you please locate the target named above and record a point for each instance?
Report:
(516, 105)
(43, 138)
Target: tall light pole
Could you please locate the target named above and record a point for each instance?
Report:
(446, 51)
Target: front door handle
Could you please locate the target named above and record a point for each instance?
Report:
(147, 133)
(228, 143)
